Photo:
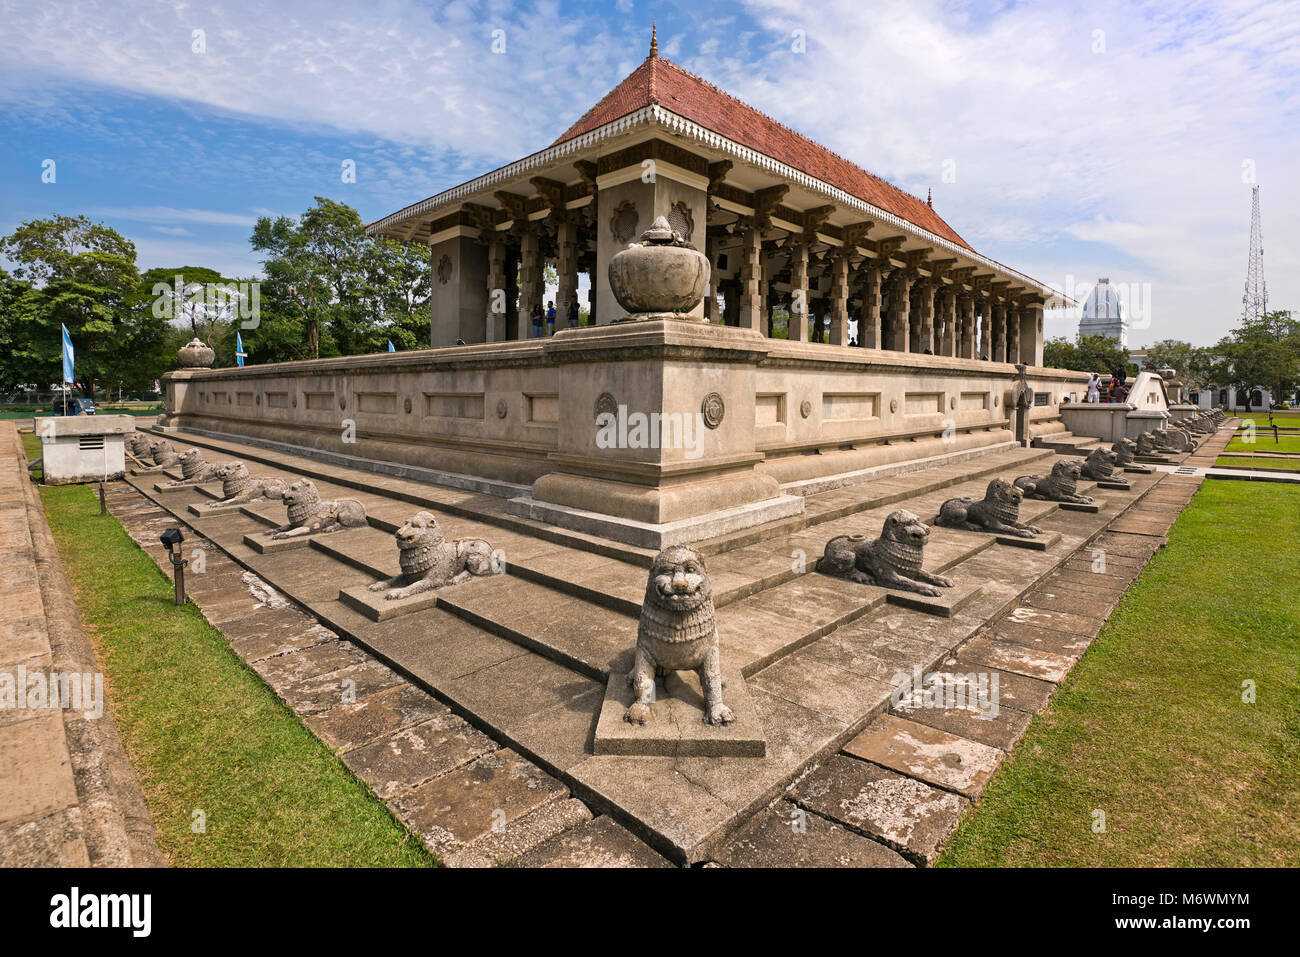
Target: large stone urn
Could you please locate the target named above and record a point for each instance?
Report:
(195, 354)
(662, 276)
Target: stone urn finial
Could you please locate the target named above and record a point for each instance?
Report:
(662, 276)
(196, 355)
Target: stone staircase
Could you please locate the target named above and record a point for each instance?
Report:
(525, 656)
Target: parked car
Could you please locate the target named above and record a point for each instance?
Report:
(76, 405)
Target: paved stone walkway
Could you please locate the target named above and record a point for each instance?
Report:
(68, 794)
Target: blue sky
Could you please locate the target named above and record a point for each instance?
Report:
(1080, 139)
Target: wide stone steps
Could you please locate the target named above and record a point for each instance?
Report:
(1067, 443)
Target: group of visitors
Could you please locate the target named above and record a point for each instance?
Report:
(549, 317)
(1115, 391)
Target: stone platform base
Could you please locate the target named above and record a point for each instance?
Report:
(677, 728)
(646, 535)
(376, 607)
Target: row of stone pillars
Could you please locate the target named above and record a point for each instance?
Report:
(516, 281)
(896, 309)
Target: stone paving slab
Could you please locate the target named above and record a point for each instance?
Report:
(944, 760)
(458, 809)
(1019, 658)
(903, 813)
(601, 842)
(533, 831)
(784, 835)
(407, 758)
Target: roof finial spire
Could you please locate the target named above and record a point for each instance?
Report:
(929, 197)
(654, 40)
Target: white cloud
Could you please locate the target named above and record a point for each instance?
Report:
(1068, 161)
(170, 214)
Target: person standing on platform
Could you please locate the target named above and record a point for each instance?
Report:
(550, 318)
(536, 316)
(573, 313)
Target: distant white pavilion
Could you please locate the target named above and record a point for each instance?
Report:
(1103, 314)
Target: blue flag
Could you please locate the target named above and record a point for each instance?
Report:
(68, 363)
(240, 354)
(390, 346)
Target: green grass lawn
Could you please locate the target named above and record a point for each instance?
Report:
(1264, 442)
(1150, 726)
(202, 730)
(1248, 462)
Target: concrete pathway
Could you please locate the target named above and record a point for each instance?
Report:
(68, 794)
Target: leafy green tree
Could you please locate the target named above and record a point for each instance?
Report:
(1100, 354)
(331, 289)
(1261, 352)
(84, 274)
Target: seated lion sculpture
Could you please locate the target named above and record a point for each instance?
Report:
(162, 454)
(1099, 466)
(1124, 449)
(429, 561)
(1147, 444)
(194, 471)
(997, 512)
(891, 561)
(678, 632)
(238, 487)
(1059, 486)
(308, 515)
(137, 443)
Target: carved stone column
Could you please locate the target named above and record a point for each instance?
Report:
(751, 277)
(495, 330)
(530, 272)
(900, 307)
(951, 336)
(925, 321)
(566, 271)
(966, 312)
(798, 292)
(869, 324)
(1013, 333)
(999, 312)
(839, 299)
(986, 327)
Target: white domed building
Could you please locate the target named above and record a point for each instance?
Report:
(1103, 314)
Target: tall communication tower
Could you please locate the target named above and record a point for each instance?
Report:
(1254, 304)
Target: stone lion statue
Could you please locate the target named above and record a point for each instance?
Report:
(1099, 466)
(308, 515)
(429, 561)
(137, 443)
(891, 561)
(162, 454)
(677, 632)
(194, 471)
(1147, 444)
(997, 512)
(238, 487)
(1059, 486)
(1124, 449)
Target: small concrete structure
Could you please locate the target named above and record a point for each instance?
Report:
(1146, 410)
(83, 448)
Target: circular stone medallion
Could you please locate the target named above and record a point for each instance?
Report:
(893, 405)
(502, 409)
(805, 408)
(606, 403)
(713, 409)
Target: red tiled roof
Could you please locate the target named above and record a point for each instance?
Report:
(663, 82)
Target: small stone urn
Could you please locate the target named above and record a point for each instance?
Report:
(662, 276)
(196, 355)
